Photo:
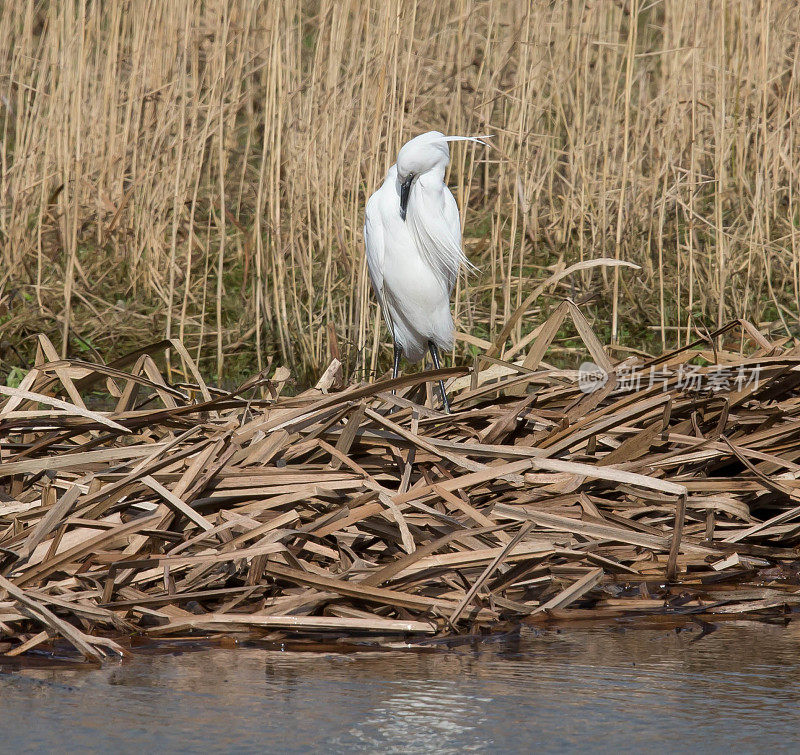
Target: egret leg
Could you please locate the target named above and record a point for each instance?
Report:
(435, 356)
(395, 371)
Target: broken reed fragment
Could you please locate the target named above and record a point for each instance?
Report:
(204, 512)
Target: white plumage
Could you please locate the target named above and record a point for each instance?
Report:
(413, 244)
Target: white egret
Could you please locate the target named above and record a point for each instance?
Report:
(412, 232)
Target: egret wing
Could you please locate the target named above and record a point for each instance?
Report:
(375, 247)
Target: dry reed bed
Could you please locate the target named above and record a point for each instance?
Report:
(190, 510)
(198, 169)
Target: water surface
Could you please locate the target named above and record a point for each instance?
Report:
(578, 690)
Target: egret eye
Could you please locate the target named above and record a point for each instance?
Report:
(405, 189)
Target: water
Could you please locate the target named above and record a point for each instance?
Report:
(737, 689)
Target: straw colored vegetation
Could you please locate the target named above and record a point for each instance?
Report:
(199, 169)
(192, 511)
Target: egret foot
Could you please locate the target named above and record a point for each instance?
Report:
(435, 356)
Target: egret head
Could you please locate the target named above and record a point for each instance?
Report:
(422, 154)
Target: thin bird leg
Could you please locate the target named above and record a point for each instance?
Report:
(435, 356)
(395, 371)
(396, 367)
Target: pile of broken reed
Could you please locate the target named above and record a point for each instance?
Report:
(190, 511)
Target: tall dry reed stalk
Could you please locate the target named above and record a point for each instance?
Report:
(198, 169)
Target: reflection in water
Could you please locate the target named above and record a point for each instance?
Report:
(598, 690)
(424, 717)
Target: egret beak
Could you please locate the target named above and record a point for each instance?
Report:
(405, 189)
